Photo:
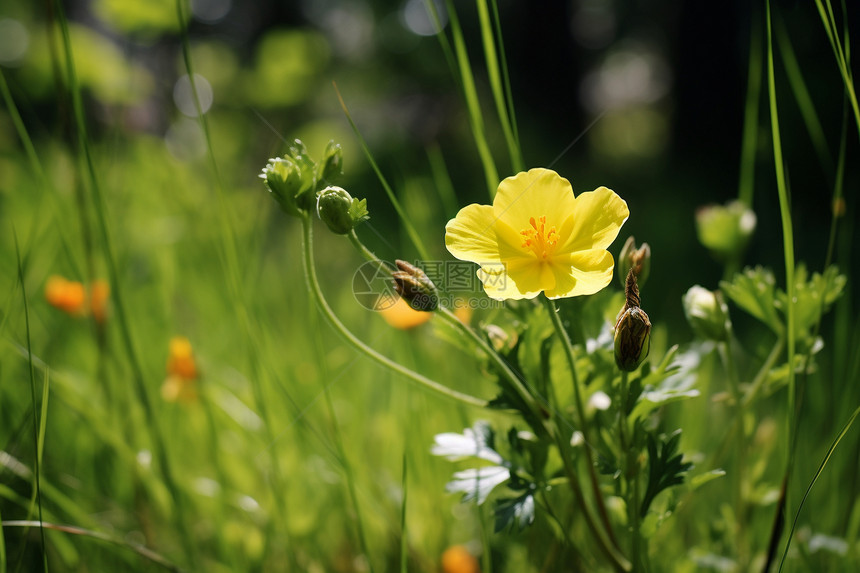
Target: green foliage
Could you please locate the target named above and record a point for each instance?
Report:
(665, 467)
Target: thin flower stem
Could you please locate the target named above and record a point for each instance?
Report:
(580, 410)
(631, 479)
(607, 545)
(524, 392)
(355, 342)
(526, 395)
(368, 254)
(761, 376)
(740, 445)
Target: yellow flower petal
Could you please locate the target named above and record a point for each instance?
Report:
(586, 272)
(470, 237)
(536, 193)
(597, 219)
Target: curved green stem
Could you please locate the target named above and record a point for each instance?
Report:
(480, 342)
(580, 410)
(355, 342)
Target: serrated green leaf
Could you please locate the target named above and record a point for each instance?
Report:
(813, 297)
(358, 211)
(754, 290)
(665, 465)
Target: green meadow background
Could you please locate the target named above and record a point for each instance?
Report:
(300, 454)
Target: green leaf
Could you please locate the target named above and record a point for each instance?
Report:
(812, 298)
(671, 381)
(754, 290)
(515, 513)
(701, 479)
(665, 467)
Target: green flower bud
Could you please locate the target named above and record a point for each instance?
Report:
(637, 259)
(725, 230)
(332, 163)
(707, 313)
(415, 287)
(339, 210)
(632, 329)
(307, 168)
(284, 179)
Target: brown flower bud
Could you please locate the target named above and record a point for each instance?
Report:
(632, 329)
(415, 287)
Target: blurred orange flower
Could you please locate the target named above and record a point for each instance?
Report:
(457, 559)
(180, 361)
(179, 386)
(99, 296)
(68, 296)
(401, 315)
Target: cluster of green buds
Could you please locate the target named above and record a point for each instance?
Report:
(632, 329)
(301, 185)
(725, 230)
(413, 285)
(637, 259)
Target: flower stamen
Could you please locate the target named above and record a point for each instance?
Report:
(538, 239)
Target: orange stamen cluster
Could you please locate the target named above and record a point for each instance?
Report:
(538, 239)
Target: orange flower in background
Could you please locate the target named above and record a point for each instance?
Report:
(71, 297)
(180, 386)
(68, 296)
(457, 559)
(180, 361)
(99, 296)
(401, 315)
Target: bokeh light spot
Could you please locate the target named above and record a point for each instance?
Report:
(14, 41)
(183, 95)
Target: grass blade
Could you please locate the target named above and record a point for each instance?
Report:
(414, 237)
(404, 539)
(501, 93)
(815, 477)
(141, 550)
(788, 251)
(804, 100)
(37, 471)
(749, 142)
(473, 105)
(828, 20)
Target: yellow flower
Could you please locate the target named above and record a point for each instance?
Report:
(401, 315)
(538, 237)
(457, 559)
